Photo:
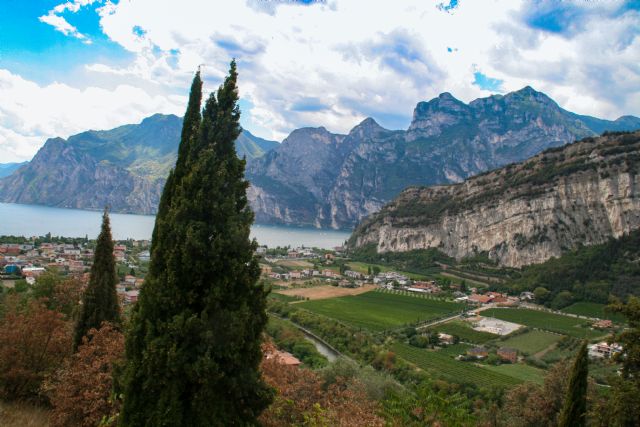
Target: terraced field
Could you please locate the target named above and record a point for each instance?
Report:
(531, 342)
(446, 367)
(558, 323)
(378, 311)
(465, 332)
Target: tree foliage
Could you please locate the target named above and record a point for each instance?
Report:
(100, 300)
(82, 392)
(303, 398)
(574, 411)
(193, 351)
(622, 406)
(34, 342)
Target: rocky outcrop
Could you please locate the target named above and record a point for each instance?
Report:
(337, 184)
(524, 213)
(124, 168)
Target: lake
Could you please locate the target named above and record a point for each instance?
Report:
(34, 220)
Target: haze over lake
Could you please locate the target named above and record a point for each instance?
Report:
(33, 220)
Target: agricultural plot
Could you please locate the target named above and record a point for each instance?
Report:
(531, 342)
(578, 328)
(522, 372)
(455, 349)
(378, 311)
(592, 309)
(465, 332)
(282, 297)
(446, 367)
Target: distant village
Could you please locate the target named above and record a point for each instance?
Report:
(281, 267)
(26, 261)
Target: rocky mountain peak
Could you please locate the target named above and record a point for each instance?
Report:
(366, 129)
(430, 118)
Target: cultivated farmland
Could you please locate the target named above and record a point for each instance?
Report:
(593, 309)
(531, 342)
(448, 368)
(558, 323)
(378, 311)
(519, 371)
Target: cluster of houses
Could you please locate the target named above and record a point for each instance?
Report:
(603, 350)
(129, 289)
(30, 260)
(488, 298)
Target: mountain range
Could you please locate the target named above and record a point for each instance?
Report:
(314, 177)
(7, 169)
(124, 168)
(322, 179)
(579, 194)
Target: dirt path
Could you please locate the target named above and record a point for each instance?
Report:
(326, 291)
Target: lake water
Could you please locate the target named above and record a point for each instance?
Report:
(33, 220)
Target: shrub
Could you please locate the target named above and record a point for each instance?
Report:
(82, 392)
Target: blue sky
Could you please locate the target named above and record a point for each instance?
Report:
(67, 66)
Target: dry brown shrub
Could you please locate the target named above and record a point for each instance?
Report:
(82, 392)
(34, 341)
(302, 399)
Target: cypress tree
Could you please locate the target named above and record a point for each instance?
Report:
(193, 351)
(100, 300)
(574, 410)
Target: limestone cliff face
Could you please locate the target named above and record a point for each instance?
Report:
(523, 213)
(310, 180)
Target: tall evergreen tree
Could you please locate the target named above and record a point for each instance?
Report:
(574, 410)
(193, 350)
(100, 300)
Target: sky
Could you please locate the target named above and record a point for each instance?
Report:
(70, 66)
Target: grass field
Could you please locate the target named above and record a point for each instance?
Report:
(531, 342)
(378, 311)
(544, 320)
(465, 332)
(362, 267)
(519, 371)
(446, 367)
(592, 309)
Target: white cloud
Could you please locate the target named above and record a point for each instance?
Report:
(30, 113)
(333, 63)
(57, 21)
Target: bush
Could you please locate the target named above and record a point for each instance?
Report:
(34, 342)
(81, 393)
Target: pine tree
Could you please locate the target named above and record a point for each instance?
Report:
(194, 347)
(574, 410)
(100, 300)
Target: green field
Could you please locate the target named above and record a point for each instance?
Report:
(519, 371)
(455, 349)
(558, 323)
(593, 309)
(283, 297)
(446, 367)
(465, 332)
(378, 311)
(531, 342)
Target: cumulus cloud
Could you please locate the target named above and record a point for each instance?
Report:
(57, 21)
(30, 113)
(332, 63)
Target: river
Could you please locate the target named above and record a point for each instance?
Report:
(35, 220)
